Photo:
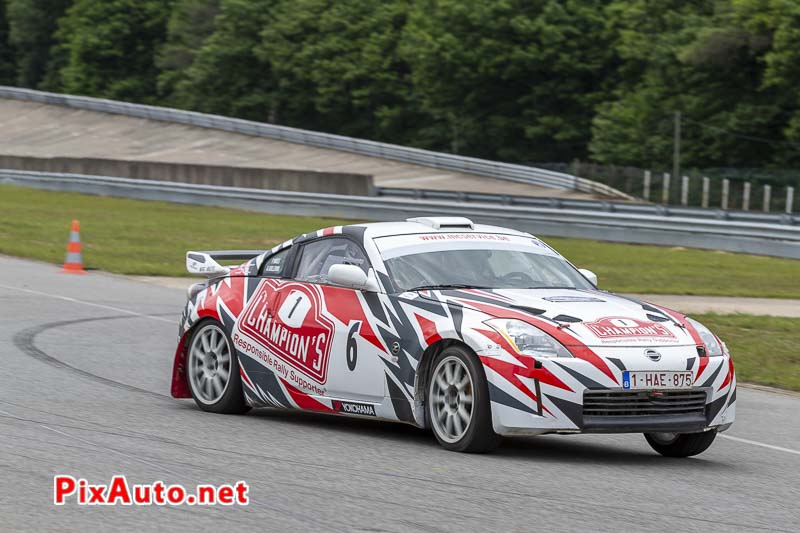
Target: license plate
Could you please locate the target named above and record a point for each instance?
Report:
(647, 379)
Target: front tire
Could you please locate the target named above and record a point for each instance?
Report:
(680, 444)
(213, 370)
(458, 402)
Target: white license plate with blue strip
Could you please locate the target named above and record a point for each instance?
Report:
(653, 379)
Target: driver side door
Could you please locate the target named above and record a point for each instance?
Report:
(346, 358)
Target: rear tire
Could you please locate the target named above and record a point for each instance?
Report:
(213, 370)
(680, 444)
(458, 402)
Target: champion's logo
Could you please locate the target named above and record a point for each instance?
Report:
(289, 323)
(621, 328)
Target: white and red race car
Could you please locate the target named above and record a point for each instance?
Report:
(473, 331)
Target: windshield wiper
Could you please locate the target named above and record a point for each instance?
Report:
(447, 286)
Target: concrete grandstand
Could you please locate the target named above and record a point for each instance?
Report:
(44, 130)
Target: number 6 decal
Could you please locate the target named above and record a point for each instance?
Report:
(352, 346)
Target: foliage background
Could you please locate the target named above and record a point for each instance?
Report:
(516, 80)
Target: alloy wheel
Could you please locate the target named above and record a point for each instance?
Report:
(209, 364)
(452, 399)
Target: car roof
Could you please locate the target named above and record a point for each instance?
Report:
(415, 226)
(411, 226)
(376, 230)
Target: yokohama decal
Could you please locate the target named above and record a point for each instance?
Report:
(616, 328)
(295, 331)
(354, 408)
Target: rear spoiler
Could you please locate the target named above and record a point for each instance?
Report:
(204, 263)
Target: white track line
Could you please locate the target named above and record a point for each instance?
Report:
(91, 304)
(755, 443)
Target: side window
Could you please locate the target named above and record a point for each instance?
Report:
(274, 264)
(317, 258)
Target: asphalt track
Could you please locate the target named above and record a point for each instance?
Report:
(86, 364)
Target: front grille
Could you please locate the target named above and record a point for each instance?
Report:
(642, 403)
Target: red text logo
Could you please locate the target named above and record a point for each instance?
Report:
(619, 327)
(289, 323)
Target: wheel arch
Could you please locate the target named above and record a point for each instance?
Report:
(180, 379)
(425, 367)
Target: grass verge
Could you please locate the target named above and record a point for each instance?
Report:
(675, 270)
(764, 349)
(144, 237)
(134, 236)
(138, 237)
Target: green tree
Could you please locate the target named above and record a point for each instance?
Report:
(701, 58)
(7, 52)
(779, 21)
(513, 79)
(516, 80)
(111, 46)
(32, 24)
(226, 76)
(191, 23)
(337, 68)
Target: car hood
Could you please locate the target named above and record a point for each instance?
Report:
(595, 318)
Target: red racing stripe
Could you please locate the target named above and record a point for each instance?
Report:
(229, 292)
(529, 370)
(245, 378)
(681, 319)
(511, 373)
(305, 401)
(346, 307)
(429, 331)
(578, 349)
(729, 376)
(701, 368)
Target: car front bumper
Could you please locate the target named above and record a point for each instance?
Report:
(685, 411)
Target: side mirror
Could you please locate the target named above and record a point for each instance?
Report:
(588, 274)
(351, 276)
(203, 264)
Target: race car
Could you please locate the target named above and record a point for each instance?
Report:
(473, 331)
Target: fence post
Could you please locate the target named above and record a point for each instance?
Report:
(726, 189)
(789, 199)
(665, 189)
(685, 190)
(767, 197)
(706, 187)
(646, 190)
(746, 197)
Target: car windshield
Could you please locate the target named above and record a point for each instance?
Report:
(481, 265)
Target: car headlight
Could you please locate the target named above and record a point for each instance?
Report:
(528, 339)
(713, 346)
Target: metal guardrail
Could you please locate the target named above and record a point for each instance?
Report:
(469, 165)
(645, 208)
(781, 240)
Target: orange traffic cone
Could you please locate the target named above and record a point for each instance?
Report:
(73, 263)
